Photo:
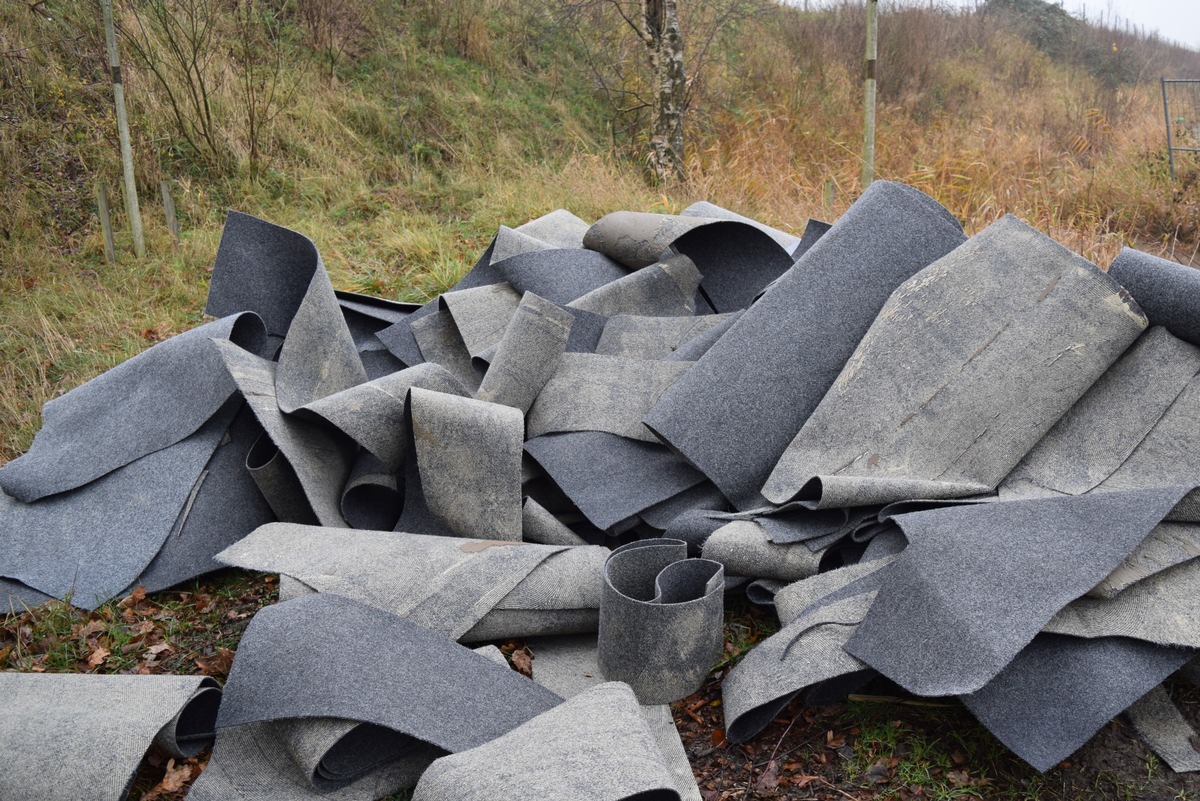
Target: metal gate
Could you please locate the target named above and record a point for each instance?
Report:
(1181, 112)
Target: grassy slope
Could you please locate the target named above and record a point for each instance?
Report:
(449, 119)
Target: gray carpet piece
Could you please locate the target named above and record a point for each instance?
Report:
(464, 475)
(278, 274)
(466, 589)
(1163, 609)
(586, 330)
(813, 230)
(224, 506)
(1167, 545)
(560, 276)
(328, 656)
(1010, 329)
(372, 414)
(313, 711)
(372, 498)
(733, 415)
(799, 524)
(665, 289)
(1168, 291)
(318, 357)
(703, 496)
(635, 337)
(697, 346)
(481, 314)
(569, 666)
(568, 752)
(258, 762)
(745, 549)
(378, 362)
(661, 619)
(975, 599)
(611, 478)
(1059, 691)
(278, 483)
(1116, 418)
(540, 526)
(89, 544)
(440, 343)
(738, 261)
(801, 655)
(321, 457)
(1161, 726)
(64, 737)
(638, 239)
(16, 597)
(369, 313)
(590, 392)
(263, 268)
(149, 402)
(712, 211)
(559, 228)
(528, 353)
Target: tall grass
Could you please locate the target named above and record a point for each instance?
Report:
(440, 121)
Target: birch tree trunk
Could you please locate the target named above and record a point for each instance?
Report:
(662, 36)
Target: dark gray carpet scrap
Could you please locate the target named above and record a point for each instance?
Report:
(969, 465)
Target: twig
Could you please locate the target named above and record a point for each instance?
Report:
(837, 789)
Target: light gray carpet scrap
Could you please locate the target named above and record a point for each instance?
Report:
(67, 737)
(665, 289)
(1010, 329)
(590, 392)
(569, 666)
(637, 337)
(1160, 724)
(372, 414)
(319, 456)
(466, 466)
(1168, 291)
(470, 590)
(594, 747)
(661, 619)
(528, 353)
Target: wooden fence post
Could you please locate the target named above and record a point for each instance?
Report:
(169, 211)
(131, 199)
(110, 252)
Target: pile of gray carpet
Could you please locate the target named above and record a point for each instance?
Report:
(968, 465)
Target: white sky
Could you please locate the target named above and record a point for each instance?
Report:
(1178, 20)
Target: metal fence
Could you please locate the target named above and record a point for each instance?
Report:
(1181, 112)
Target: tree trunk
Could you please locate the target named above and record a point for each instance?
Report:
(664, 39)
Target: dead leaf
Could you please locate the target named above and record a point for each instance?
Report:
(718, 737)
(98, 655)
(768, 782)
(523, 662)
(173, 781)
(136, 597)
(959, 758)
(833, 740)
(879, 773)
(959, 778)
